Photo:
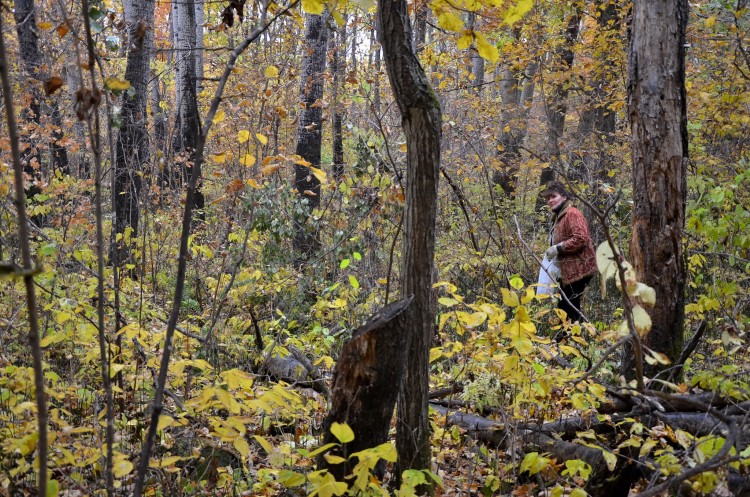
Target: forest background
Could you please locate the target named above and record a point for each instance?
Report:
(219, 193)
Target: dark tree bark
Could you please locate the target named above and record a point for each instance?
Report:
(556, 99)
(658, 122)
(310, 128)
(364, 388)
(421, 121)
(338, 68)
(24, 12)
(132, 147)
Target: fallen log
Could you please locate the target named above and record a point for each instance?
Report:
(365, 385)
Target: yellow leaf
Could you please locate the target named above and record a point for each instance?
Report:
(121, 468)
(253, 184)
(271, 72)
(319, 173)
(711, 22)
(44, 25)
(313, 6)
(220, 158)
(465, 40)
(164, 421)
(264, 443)
(248, 160)
(219, 117)
(163, 462)
(641, 320)
(115, 84)
(516, 13)
(243, 136)
(486, 50)
(333, 459)
(242, 446)
(342, 432)
(510, 299)
(450, 21)
(261, 138)
(435, 354)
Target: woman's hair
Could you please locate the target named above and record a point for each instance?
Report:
(554, 187)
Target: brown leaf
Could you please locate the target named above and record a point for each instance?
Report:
(52, 85)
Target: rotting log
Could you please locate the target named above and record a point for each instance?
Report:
(365, 384)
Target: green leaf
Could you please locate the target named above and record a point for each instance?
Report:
(345, 263)
(342, 432)
(53, 488)
(291, 478)
(353, 282)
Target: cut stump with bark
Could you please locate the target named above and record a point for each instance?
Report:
(366, 382)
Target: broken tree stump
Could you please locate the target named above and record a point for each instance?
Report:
(366, 383)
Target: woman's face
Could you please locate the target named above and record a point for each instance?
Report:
(554, 200)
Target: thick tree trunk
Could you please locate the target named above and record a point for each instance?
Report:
(658, 121)
(187, 120)
(365, 384)
(310, 128)
(131, 147)
(421, 120)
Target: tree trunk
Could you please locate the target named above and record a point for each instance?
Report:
(310, 129)
(187, 121)
(556, 101)
(658, 121)
(338, 68)
(421, 120)
(131, 147)
(31, 57)
(596, 127)
(516, 92)
(364, 387)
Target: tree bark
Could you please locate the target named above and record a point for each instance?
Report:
(24, 12)
(132, 147)
(338, 68)
(421, 121)
(658, 121)
(556, 101)
(187, 125)
(310, 129)
(365, 382)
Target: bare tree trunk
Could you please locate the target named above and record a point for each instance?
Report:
(421, 120)
(658, 122)
(556, 101)
(338, 68)
(187, 120)
(310, 128)
(132, 147)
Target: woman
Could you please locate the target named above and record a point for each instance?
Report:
(571, 245)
